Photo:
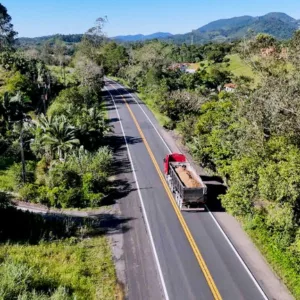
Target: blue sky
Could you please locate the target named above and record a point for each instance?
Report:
(43, 17)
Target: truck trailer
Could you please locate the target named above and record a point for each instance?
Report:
(187, 186)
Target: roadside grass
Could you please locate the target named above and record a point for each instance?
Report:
(57, 72)
(282, 261)
(120, 80)
(71, 268)
(161, 118)
(51, 257)
(6, 181)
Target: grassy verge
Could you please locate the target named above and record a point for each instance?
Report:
(283, 262)
(69, 269)
(54, 258)
(6, 182)
(120, 80)
(161, 118)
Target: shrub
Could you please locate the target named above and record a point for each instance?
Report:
(169, 124)
(4, 200)
(29, 192)
(15, 173)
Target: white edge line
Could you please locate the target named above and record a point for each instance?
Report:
(142, 204)
(210, 213)
(238, 256)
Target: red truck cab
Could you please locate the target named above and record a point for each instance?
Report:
(174, 157)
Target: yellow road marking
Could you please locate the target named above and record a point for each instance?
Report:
(186, 230)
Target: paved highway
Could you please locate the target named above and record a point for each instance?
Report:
(188, 255)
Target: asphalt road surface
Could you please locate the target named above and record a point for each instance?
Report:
(167, 255)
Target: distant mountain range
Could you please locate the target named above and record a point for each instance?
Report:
(141, 37)
(68, 38)
(280, 25)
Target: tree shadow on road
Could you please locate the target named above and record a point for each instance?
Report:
(215, 188)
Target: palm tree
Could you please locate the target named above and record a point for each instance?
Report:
(59, 135)
(13, 112)
(92, 126)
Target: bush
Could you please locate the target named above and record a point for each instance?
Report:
(169, 124)
(80, 181)
(284, 261)
(29, 192)
(4, 200)
(18, 282)
(15, 173)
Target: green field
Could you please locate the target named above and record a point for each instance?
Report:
(69, 269)
(239, 68)
(236, 66)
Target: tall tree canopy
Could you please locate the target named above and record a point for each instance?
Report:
(7, 33)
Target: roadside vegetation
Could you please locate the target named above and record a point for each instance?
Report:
(249, 136)
(53, 152)
(53, 257)
(53, 126)
(68, 269)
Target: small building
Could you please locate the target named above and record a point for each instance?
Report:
(184, 67)
(179, 66)
(191, 71)
(284, 53)
(267, 52)
(230, 87)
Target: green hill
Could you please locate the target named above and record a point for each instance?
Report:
(279, 25)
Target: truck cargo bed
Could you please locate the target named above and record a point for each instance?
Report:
(188, 194)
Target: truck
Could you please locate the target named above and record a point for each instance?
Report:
(184, 182)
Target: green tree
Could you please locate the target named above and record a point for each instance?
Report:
(59, 50)
(58, 135)
(14, 113)
(89, 73)
(92, 127)
(114, 58)
(7, 33)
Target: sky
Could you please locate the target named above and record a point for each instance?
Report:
(33, 18)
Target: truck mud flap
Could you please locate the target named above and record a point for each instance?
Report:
(193, 209)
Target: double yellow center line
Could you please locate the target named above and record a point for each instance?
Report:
(186, 230)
